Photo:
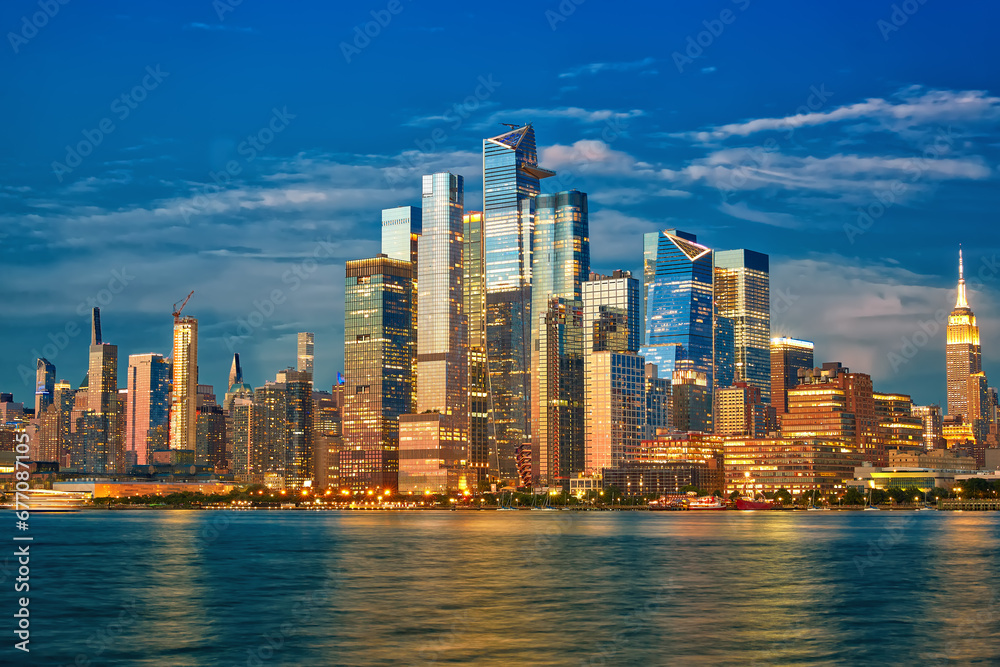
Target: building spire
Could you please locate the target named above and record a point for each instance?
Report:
(962, 302)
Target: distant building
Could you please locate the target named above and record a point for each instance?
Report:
(788, 357)
(743, 294)
(378, 380)
(183, 406)
(899, 428)
(740, 411)
(799, 466)
(299, 453)
(45, 382)
(483, 456)
(657, 402)
(616, 416)
(930, 415)
(305, 347)
(148, 405)
(438, 431)
(964, 352)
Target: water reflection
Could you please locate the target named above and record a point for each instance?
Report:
(539, 588)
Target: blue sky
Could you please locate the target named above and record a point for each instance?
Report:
(854, 142)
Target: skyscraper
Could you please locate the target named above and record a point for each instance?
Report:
(788, 356)
(401, 230)
(377, 369)
(184, 389)
(511, 178)
(105, 451)
(305, 352)
(678, 274)
(725, 350)
(612, 321)
(616, 412)
(743, 294)
(148, 404)
(438, 431)
(964, 353)
(269, 440)
(45, 381)
(300, 452)
(560, 265)
(483, 459)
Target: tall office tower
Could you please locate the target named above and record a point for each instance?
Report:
(743, 294)
(269, 440)
(740, 411)
(657, 402)
(433, 442)
(104, 449)
(45, 381)
(679, 317)
(241, 420)
(210, 437)
(327, 439)
(612, 321)
(616, 417)
(964, 353)
(511, 178)
(401, 230)
(788, 356)
(184, 389)
(483, 459)
(933, 435)
(53, 432)
(560, 265)
(377, 356)
(559, 441)
(148, 405)
(725, 350)
(978, 414)
(300, 453)
(305, 352)
(690, 400)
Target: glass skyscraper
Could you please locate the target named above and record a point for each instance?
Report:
(560, 265)
(300, 453)
(679, 316)
(743, 294)
(511, 178)
(45, 383)
(148, 404)
(442, 358)
(183, 407)
(483, 458)
(401, 229)
(377, 368)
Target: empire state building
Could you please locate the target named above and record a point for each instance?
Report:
(964, 354)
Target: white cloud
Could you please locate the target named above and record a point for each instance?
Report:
(596, 68)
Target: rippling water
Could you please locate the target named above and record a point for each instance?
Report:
(506, 588)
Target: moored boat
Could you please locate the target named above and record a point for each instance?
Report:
(45, 500)
(747, 504)
(706, 503)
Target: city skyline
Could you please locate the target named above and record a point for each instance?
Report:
(647, 162)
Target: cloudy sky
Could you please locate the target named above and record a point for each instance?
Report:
(244, 152)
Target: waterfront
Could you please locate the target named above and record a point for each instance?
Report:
(499, 588)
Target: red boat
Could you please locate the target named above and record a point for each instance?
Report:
(745, 504)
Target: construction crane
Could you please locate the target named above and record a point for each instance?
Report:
(177, 311)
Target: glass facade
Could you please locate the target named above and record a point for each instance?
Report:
(306, 341)
(511, 178)
(482, 457)
(442, 353)
(678, 275)
(45, 383)
(378, 351)
(616, 414)
(788, 356)
(743, 294)
(183, 405)
(299, 454)
(148, 403)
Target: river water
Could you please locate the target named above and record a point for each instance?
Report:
(511, 588)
